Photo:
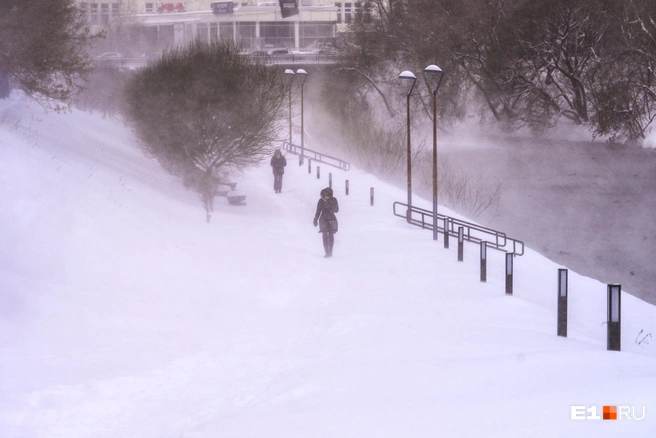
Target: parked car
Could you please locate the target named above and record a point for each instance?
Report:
(281, 51)
(109, 56)
(325, 51)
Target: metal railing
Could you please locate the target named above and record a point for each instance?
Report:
(316, 156)
(471, 232)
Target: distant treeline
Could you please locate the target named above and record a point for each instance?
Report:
(523, 63)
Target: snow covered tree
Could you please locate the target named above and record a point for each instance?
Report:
(205, 109)
(625, 95)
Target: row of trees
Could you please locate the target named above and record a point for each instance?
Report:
(524, 63)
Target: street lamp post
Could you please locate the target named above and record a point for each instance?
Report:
(303, 74)
(290, 73)
(409, 76)
(435, 70)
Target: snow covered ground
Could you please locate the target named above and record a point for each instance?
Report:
(124, 314)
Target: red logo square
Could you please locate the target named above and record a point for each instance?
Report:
(610, 412)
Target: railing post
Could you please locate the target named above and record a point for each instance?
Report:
(562, 302)
(330, 180)
(309, 165)
(461, 243)
(483, 261)
(347, 187)
(318, 172)
(614, 317)
(509, 273)
(371, 196)
(446, 232)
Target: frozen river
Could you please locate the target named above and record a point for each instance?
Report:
(588, 205)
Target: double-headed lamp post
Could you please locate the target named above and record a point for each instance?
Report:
(290, 74)
(303, 74)
(409, 76)
(433, 70)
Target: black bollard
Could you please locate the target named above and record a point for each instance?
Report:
(371, 196)
(483, 261)
(330, 180)
(309, 165)
(461, 243)
(614, 317)
(509, 273)
(318, 172)
(562, 302)
(347, 187)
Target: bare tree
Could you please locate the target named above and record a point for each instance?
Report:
(625, 96)
(43, 49)
(203, 109)
(549, 56)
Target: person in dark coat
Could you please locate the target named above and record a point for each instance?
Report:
(325, 218)
(278, 163)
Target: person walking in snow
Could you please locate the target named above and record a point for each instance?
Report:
(278, 163)
(325, 218)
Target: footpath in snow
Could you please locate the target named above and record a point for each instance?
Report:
(124, 314)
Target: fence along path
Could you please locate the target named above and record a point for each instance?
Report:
(471, 232)
(316, 156)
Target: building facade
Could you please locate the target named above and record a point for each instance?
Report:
(150, 26)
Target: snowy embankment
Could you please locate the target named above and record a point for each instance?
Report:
(124, 314)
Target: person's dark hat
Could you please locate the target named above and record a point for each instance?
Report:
(327, 191)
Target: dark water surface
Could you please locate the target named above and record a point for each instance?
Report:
(590, 206)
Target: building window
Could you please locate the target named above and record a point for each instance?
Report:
(246, 35)
(150, 36)
(94, 16)
(226, 32)
(150, 7)
(314, 35)
(104, 14)
(348, 12)
(367, 12)
(358, 12)
(214, 31)
(166, 36)
(84, 10)
(115, 10)
(277, 34)
(203, 30)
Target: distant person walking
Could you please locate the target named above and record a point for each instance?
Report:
(278, 163)
(325, 218)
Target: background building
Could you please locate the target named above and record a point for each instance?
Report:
(141, 27)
